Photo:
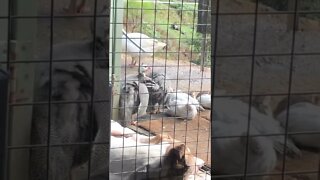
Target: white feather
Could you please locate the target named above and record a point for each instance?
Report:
(182, 105)
(205, 100)
(137, 44)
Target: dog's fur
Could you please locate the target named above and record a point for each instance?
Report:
(144, 157)
(69, 122)
(229, 153)
(234, 111)
(74, 122)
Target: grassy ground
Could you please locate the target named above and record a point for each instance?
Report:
(156, 19)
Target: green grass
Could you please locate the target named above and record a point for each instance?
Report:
(157, 24)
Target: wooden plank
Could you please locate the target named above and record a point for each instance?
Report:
(141, 130)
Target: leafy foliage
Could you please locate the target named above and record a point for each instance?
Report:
(155, 20)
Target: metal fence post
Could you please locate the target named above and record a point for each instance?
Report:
(3, 123)
(116, 18)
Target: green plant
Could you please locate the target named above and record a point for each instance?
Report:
(198, 45)
(156, 22)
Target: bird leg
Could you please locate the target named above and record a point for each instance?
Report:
(133, 62)
(153, 111)
(156, 109)
(134, 123)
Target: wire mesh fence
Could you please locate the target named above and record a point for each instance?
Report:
(164, 47)
(195, 89)
(263, 56)
(60, 98)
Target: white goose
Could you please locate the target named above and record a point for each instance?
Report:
(182, 105)
(137, 44)
(204, 99)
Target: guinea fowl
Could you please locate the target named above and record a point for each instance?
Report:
(178, 104)
(139, 45)
(236, 112)
(159, 78)
(134, 98)
(157, 92)
(303, 117)
(135, 95)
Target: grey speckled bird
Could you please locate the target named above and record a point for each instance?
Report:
(157, 93)
(134, 98)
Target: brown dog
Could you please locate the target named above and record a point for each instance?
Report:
(143, 157)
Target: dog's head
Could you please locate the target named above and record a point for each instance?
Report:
(182, 162)
(176, 163)
(179, 163)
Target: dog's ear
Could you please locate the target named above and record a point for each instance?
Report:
(178, 156)
(180, 150)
